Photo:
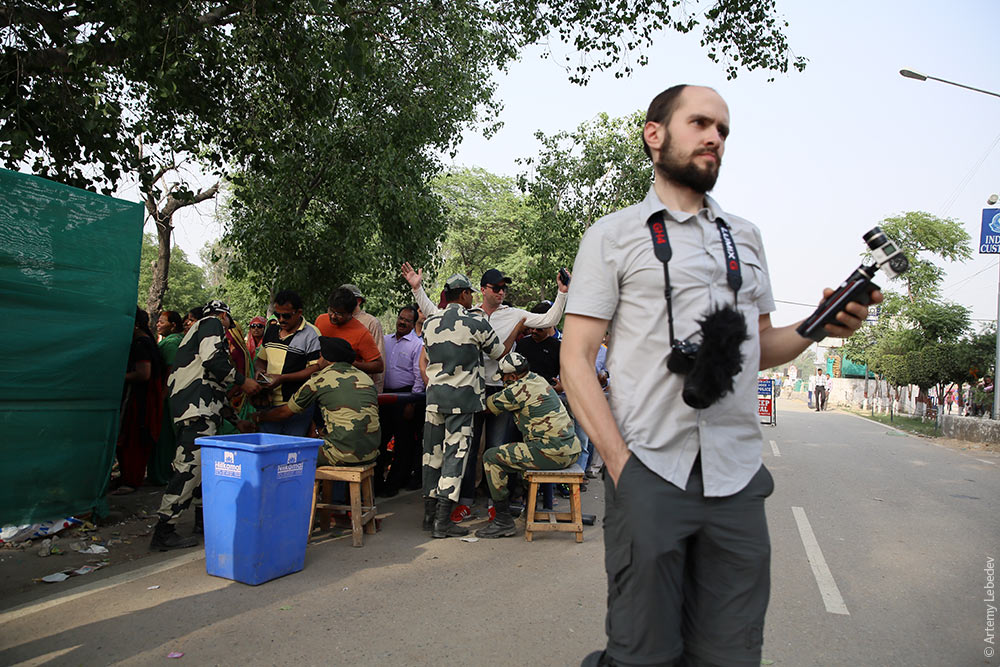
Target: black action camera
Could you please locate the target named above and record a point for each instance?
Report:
(858, 286)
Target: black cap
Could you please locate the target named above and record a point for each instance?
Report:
(495, 277)
(336, 349)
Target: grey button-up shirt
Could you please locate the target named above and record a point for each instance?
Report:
(617, 277)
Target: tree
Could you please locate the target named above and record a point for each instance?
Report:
(920, 234)
(483, 215)
(279, 92)
(577, 178)
(187, 285)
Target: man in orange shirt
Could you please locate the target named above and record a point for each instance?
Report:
(339, 322)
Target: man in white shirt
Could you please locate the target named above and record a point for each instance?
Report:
(687, 550)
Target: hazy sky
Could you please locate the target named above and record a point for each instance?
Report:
(817, 158)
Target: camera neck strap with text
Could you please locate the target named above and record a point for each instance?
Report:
(661, 247)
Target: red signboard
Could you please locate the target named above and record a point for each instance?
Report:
(764, 406)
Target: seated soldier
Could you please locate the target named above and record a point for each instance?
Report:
(347, 401)
(549, 440)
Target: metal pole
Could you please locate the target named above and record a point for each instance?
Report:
(996, 359)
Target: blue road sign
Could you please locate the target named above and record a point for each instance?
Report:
(989, 236)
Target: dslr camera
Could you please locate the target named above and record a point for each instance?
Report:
(858, 286)
(710, 366)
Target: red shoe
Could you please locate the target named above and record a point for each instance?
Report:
(461, 513)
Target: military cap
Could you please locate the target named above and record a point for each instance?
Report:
(336, 349)
(458, 281)
(353, 289)
(215, 306)
(514, 362)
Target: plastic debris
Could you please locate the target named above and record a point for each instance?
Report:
(175, 654)
(470, 539)
(152, 588)
(31, 531)
(93, 549)
(284, 608)
(55, 578)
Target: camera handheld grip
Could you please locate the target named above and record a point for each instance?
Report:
(857, 288)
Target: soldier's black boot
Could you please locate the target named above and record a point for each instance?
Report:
(503, 522)
(443, 525)
(430, 506)
(199, 521)
(165, 538)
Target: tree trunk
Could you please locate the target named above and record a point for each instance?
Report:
(163, 216)
(161, 269)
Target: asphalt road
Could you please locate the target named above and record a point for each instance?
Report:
(904, 527)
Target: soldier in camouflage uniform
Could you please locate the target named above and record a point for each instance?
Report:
(348, 402)
(455, 340)
(550, 441)
(197, 385)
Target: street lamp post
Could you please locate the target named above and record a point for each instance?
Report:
(912, 74)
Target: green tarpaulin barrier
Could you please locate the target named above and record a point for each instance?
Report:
(69, 266)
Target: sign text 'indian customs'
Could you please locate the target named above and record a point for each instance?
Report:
(989, 236)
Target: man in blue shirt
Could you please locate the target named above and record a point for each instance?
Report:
(402, 410)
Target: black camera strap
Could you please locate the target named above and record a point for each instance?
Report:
(661, 248)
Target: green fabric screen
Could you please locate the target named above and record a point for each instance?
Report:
(69, 266)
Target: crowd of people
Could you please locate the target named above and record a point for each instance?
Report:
(372, 397)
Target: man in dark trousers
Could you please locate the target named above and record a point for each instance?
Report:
(687, 551)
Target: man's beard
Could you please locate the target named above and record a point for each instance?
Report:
(688, 173)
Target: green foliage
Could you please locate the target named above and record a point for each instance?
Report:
(920, 339)
(187, 280)
(84, 84)
(484, 214)
(577, 178)
(921, 234)
(245, 300)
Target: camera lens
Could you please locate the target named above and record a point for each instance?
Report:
(899, 263)
(875, 238)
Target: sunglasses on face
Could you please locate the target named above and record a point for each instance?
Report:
(256, 326)
(498, 288)
(284, 316)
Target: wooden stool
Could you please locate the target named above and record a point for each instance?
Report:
(548, 520)
(362, 508)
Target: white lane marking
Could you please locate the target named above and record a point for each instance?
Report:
(97, 586)
(992, 463)
(774, 448)
(832, 599)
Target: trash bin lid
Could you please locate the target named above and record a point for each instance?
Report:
(258, 442)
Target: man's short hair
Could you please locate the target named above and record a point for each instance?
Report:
(661, 109)
(412, 307)
(542, 307)
(290, 297)
(342, 299)
(453, 295)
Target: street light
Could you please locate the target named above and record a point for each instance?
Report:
(913, 74)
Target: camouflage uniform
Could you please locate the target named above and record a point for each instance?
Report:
(349, 404)
(456, 340)
(550, 442)
(197, 386)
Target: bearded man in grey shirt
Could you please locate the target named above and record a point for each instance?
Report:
(686, 541)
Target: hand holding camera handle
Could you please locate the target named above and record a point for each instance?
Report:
(858, 287)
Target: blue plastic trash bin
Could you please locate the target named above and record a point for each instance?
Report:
(257, 490)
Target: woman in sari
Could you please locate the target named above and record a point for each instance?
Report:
(170, 327)
(142, 406)
(255, 336)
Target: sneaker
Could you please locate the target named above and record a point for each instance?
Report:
(492, 512)
(461, 513)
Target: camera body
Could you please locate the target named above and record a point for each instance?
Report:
(682, 356)
(859, 286)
